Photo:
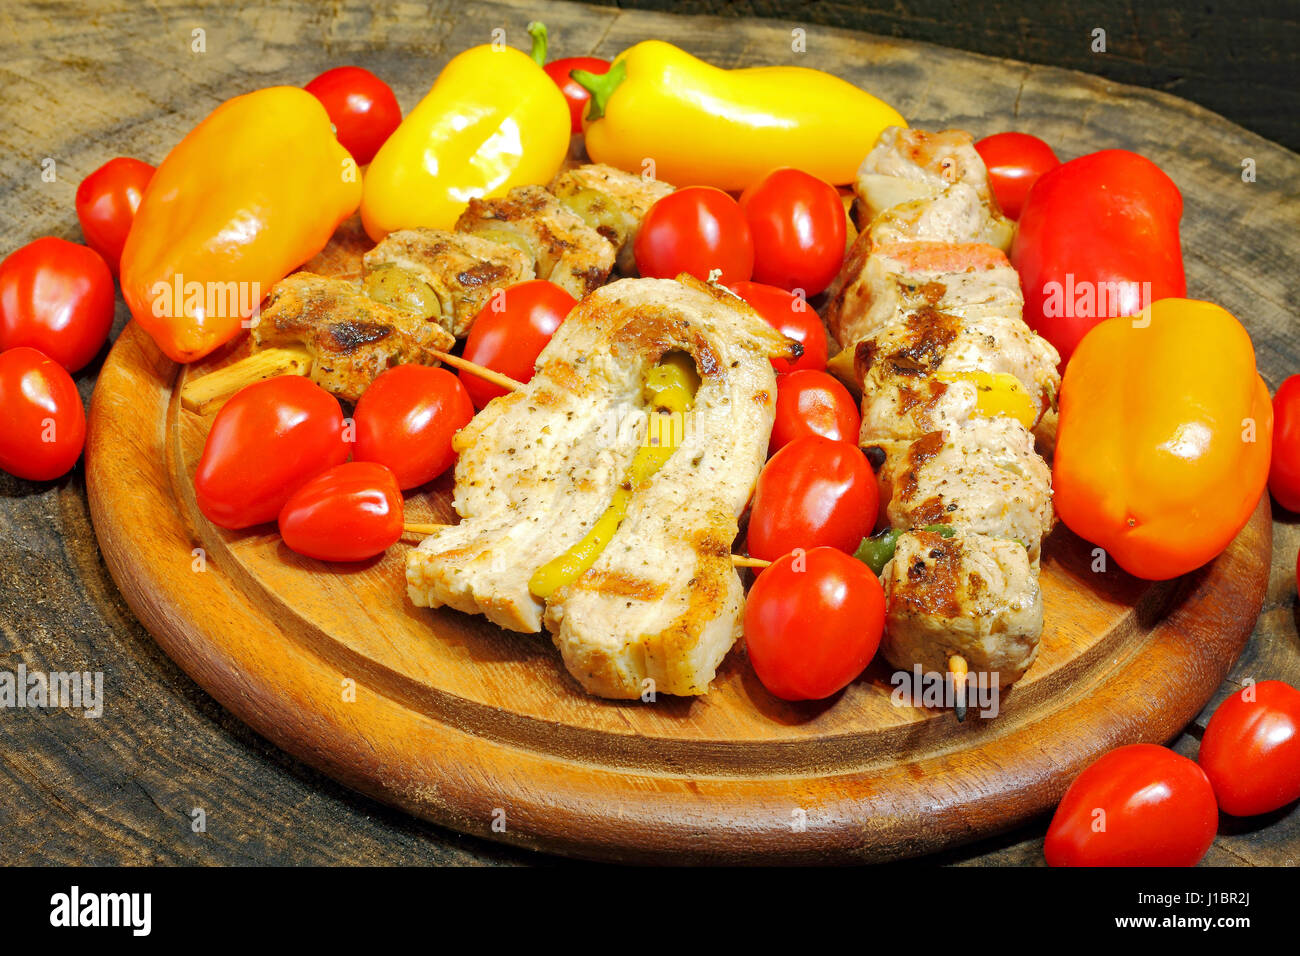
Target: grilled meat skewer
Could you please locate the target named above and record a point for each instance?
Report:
(953, 382)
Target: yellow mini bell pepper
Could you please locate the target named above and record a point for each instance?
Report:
(492, 121)
(705, 126)
(249, 195)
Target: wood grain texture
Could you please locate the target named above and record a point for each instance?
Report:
(118, 789)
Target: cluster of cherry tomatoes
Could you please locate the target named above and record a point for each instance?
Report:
(56, 310)
(279, 451)
(1144, 805)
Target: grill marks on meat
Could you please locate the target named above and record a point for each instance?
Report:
(462, 270)
(982, 477)
(880, 284)
(970, 595)
(564, 249)
(612, 202)
(539, 466)
(681, 523)
(902, 399)
(350, 337)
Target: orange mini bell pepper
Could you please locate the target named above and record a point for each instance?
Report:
(1164, 439)
(249, 195)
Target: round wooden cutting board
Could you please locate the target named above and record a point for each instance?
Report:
(483, 730)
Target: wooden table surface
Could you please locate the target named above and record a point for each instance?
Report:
(81, 87)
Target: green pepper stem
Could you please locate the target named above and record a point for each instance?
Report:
(601, 86)
(537, 30)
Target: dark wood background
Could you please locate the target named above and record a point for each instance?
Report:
(1238, 59)
(121, 789)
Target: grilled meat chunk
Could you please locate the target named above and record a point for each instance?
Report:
(953, 215)
(914, 374)
(612, 202)
(968, 594)
(881, 284)
(562, 247)
(981, 477)
(911, 165)
(447, 275)
(351, 338)
(538, 467)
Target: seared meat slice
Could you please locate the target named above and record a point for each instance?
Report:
(923, 375)
(967, 594)
(538, 467)
(612, 202)
(562, 247)
(460, 271)
(981, 477)
(535, 469)
(880, 285)
(351, 338)
(662, 603)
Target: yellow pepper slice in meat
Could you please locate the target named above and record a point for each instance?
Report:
(998, 394)
(492, 121)
(670, 392)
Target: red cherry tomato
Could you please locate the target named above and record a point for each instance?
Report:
(574, 94)
(815, 491)
(793, 317)
(1015, 161)
(1251, 749)
(56, 297)
(266, 442)
(350, 513)
(361, 106)
(813, 623)
(508, 341)
(1284, 470)
(1140, 805)
(106, 203)
(696, 230)
(44, 423)
(797, 222)
(813, 403)
(406, 419)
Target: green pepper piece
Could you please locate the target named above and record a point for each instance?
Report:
(878, 550)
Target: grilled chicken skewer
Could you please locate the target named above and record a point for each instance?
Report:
(953, 384)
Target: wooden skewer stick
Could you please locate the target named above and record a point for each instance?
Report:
(487, 374)
(957, 664)
(199, 395)
(738, 560)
